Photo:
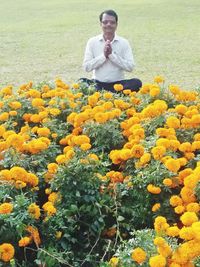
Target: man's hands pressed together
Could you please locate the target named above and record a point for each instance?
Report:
(107, 49)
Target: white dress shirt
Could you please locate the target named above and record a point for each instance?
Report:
(109, 69)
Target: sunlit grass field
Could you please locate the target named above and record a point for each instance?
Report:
(41, 40)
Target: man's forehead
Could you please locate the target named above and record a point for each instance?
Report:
(108, 17)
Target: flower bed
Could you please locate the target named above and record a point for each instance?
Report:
(97, 178)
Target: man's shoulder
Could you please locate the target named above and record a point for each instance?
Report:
(121, 39)
(95, 38)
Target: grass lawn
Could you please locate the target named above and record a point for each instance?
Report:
(41, 40)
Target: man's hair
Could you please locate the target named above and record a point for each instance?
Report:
(109, 12)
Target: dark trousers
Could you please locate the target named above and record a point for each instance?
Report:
(132, 84)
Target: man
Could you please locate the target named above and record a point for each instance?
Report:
(108, 56)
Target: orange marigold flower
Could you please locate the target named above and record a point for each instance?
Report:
(156, 207)
(25, 241)
(159, 79)
(7, 252)
(6, 208)
(34, 211)
(138, 255)
(153, 189)
(137, 151)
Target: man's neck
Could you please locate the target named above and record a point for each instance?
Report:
(109, 37)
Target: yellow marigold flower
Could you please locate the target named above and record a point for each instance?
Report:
(118, 87)
(2, 130)
(17, 172)
(158, 152)
(167, 182)
(24, 242)
(138, 255)
(114, 261)
(188, 218)
(7, 90)
(93, 156)
(181, 109)
(154, 91)
(85, 146)
(7, 252)
(53, 197)
(193, 207)
(49, 208)
(37, 102)
(60, 159)
(4, 116)
(145, 158)
(172, 231)
(107, 95)
(187, 233)
(81, 139)
(101, 117)
(179, 209)
(48, 191)
(20, 184)
(174, 144)
(34, 211)
(6, 208)
(32, 179)
(35, 118)
(160, 224)
(44, 131)
(15, 140)
(125, 154)
(183, 161)
(185, 147)
(172, 165)
(164, 250)
(196, 136)
(163, 142)
(173, 122)
(58, 234)
(54, 111)
(13, 113)
(175, 201)
(153, 189)
(137, 151)
(187, 195)
(15, 105)
(52, 167)
(156, 207)
(159, 241)
(159, 79)
(195, 145)
(174, 89)
(191, 181)
(157, 261)
(75, 85)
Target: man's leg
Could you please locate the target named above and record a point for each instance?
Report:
(105, 86)
(132, 84)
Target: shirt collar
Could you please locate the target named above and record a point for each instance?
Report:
(116, 38)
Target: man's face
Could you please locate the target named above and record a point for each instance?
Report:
(108, 24)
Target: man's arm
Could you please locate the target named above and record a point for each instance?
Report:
(90, 62)
(125, 61)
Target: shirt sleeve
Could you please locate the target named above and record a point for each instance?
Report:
(125, 61)
(90, 62)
